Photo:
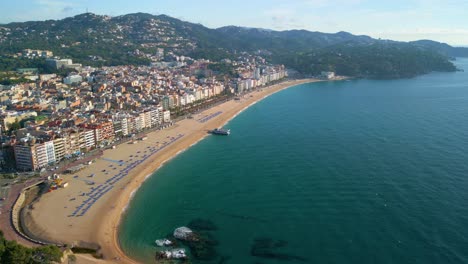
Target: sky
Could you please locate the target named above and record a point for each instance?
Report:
(404, 20)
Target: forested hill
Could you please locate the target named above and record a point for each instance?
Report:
(103, 40)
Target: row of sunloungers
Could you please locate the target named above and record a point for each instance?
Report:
(99, 191)
(93, 198)
(206, 118)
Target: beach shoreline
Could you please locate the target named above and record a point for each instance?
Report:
(101, 225)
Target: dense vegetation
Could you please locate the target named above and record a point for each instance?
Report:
(12, 252)
(373, 61)
(99, 40)
(10, 63)
(224, 69)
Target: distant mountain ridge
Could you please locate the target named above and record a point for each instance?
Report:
(300, 37)
(443, 48)
(114, 39)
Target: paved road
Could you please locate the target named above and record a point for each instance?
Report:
(6, 224)
(5, 218)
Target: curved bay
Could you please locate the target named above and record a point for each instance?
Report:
(342, 172)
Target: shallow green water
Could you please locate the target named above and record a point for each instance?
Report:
(342, 172)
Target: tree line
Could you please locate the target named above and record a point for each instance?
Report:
(12, 252)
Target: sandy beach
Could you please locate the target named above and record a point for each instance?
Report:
(87, 213)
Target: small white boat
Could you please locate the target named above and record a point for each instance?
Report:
(163, 242)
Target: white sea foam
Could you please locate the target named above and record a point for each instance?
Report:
(132, 194)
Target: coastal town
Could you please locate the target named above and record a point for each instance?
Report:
(78, 140)
(92, 134)
(177, 132)
(56, 118)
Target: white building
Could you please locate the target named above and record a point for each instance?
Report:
(328, 75)
(88, 139)
(167, 116)
(50, 152)
(72, 79)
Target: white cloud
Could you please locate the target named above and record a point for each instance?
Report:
(283, 18)
(440, 20)
(47, 9)
(55, 6)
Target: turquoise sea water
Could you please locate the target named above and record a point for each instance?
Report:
(342, 172)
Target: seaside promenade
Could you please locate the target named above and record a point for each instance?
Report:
(88, 212)
(7, 218)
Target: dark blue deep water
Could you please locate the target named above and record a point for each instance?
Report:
(341, 172)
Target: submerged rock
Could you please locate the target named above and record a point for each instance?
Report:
(202, 225)
(204, 248)
(268, 248)
(224, 259)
